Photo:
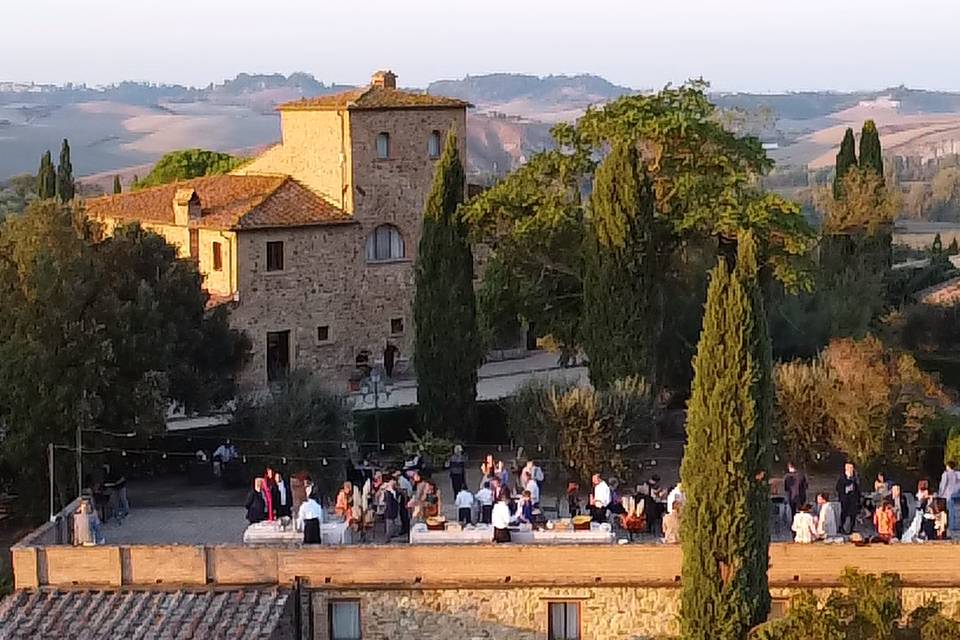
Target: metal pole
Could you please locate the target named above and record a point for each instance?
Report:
(376, 409)
(83, 409)
(53, 515)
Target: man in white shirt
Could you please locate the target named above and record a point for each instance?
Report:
(600, 499)
(500, 518)
(675, 496)
(485, 500)
(464, 502)
(534, 490)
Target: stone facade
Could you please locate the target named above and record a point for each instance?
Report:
(605, 613)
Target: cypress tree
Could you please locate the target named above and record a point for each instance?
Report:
(46, 178)
(937, 247)
(447, 347)
(871, 155)
(117, 187)
(953, 248)
(618, 334)
(65, 185)
(724, 526)
(846, 158)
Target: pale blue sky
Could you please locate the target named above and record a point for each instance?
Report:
(759, 45)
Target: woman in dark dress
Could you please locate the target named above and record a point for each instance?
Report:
(256, 508)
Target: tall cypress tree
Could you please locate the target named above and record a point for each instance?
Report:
(65, 184)
(117, 187)
(871, 156)
(618, 323)
(46, 178)
(724, 528)
(846, 158)
(447, 348)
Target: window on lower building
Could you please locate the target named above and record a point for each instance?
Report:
(323, 333)
(217, 256)
(344, 620)
(275, 256)
(396, 326)
(433, 144)
(778, 608)
(194, 244)
(278, 354)
(385, 243)
(383, 145)
(564, 623)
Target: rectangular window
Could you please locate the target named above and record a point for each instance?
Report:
(275, 256)
(564, 623)
(383, 145)
(217, 256)
(323, 333)
(345, 620)
(194, 244)
(278, 354)
(396, 326)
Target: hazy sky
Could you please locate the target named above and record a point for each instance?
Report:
(760, 45)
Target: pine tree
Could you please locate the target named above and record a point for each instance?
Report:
(117, 187)
(618, 322)
(937, 247)
(871, 156)
(447, 348)
(846, 158)
(65, 185)
(953, 248)
(46, 178)
(724, 528)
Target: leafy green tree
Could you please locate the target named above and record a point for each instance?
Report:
(107, 333)
(65, 185)
(724, 528)
(46, 178)
(117, 187)
(871, 156)
(846, 158)
(447, 347)
(187, 164)
(619, 290)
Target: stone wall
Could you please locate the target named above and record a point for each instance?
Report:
(606, 613)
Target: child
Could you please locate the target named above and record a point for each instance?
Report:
(464, 501)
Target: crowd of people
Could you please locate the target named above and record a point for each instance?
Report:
(886, 507)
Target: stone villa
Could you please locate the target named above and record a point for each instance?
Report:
(313, 241)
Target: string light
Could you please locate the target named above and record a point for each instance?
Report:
(304, 444)
(324, 462)
(656, 445)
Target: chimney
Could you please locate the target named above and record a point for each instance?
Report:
(384, 80)
(186, 207)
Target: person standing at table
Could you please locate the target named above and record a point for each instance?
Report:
(457, 466)
(949, 490)
(500, 517)
(464, 502)
(310, 517)
(848, 492)
(392, 507)
(484, 499)
(599, 499)
(255, 505)
(281, 497)
(534, 488)
(795, 488)
(901, 509)
(344, 504)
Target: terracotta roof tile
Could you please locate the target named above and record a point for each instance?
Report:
(227, 202)
(944, 294)
(252, 614)
(375, 98)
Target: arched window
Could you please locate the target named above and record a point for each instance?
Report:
(433, 144)
(385, 243)
(383, 145)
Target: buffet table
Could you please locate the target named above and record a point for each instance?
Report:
(333, 533)
(483, 534)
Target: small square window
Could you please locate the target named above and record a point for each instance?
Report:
(275, 256)
(217, 256)
(396, 326)
(778, 608)
(344, 620)
(323, 333)
(564, 622)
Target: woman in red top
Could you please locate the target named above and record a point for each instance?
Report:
(268, 482)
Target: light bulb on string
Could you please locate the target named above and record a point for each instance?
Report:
(324, 462)
(304, 444)
(617, 446)
(383, 447)
(539, 448)
(343, 445)
(656, 445)
(283, 460)
(164, 455)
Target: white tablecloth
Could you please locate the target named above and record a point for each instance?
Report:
(483, 534)
(270, 533)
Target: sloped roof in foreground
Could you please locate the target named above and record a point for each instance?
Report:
(243, 614)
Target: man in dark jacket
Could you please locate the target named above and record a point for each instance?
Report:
(795, 488)
(848, 492)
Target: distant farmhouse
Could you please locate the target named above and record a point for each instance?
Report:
(313, 242)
